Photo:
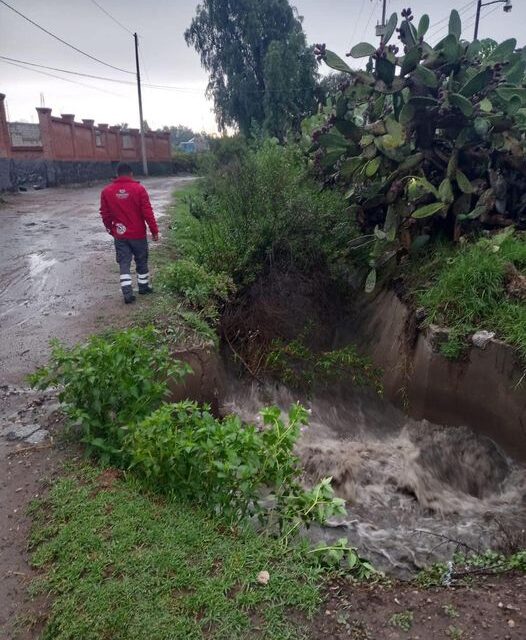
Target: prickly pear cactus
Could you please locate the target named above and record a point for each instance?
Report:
(425, 139)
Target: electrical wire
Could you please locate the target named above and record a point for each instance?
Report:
(485, 15)
(370, 18)
(112, 17)
(444, 28)
(357, 21)
(90, 75)
(49, 33)
(52, 75)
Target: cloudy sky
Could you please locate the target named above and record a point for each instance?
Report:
(166, 60)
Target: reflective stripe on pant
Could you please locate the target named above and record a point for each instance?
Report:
(143, 280)
(125, 251)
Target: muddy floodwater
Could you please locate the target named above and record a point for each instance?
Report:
(414, 490)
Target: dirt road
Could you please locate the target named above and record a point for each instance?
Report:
(58, 273)
(58, 279)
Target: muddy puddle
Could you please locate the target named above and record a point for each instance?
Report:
(414, 490)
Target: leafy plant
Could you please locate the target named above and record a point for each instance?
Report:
(403, 620)
(225, 465)
(341, 554)
(425, 139)
(109, 383)
(450, 611)
(198, 288)
(300, 367)
(261, 211)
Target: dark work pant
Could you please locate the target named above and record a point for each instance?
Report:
(125, 250)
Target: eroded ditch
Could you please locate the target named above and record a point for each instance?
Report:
(416, 492)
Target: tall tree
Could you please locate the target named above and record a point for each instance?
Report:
(261, 71)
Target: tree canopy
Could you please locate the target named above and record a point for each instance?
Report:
(262, 74)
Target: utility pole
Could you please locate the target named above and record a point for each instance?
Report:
(507, 8)
(143, 142)
(380, 28)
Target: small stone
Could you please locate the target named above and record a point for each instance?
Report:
(19, 432)
(500, 605)
(481, 338)
(263, 577)
(38, 436)
(511, 623)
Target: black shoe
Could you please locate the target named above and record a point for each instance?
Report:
(129, 298)
(145, 289)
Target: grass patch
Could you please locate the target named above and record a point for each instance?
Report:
(464, 289)
(123, 564)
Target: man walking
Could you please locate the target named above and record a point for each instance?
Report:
(125, 209)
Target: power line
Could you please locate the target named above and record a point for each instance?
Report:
(106, 64)
(462, 10)
(370, 17)
(485, 15)
(90, 75)
(111, 17)
(357, 21)
(52, 75)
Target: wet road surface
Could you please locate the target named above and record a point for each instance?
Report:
(58, 272)
(58, 278)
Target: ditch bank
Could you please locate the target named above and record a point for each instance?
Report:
(485, 391)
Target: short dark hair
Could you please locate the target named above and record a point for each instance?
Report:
(124, 169)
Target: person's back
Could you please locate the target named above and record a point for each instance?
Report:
(125, 209)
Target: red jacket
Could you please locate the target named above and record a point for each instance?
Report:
(125, 209)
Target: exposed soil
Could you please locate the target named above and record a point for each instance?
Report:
(494, 609)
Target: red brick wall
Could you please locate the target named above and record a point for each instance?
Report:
(65, 139)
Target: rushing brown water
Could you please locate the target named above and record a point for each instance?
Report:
(414, 490)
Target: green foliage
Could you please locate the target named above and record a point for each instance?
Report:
(403, 620)
(110, 382)
(183, 162)
(198, 288)
(120, 563)
(425, 141)
(339, 554)
(113, 387)
(225, 465)
(261, 71)
(301, 368)
(261, 211)
(466, 290)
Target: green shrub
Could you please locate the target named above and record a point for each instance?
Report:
(263, 212)
(183, 162)
(198, 287)
(110, 382)
(226, 465)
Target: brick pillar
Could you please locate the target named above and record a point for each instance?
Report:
(117, 130)
(91, 125)
(136, 135)
(46, 136)
(103, 128)
(5, 138)
(70, 119)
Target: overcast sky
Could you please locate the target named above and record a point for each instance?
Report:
(166, 58)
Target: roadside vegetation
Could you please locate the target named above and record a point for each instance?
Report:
(480, 285)
(167, 533)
